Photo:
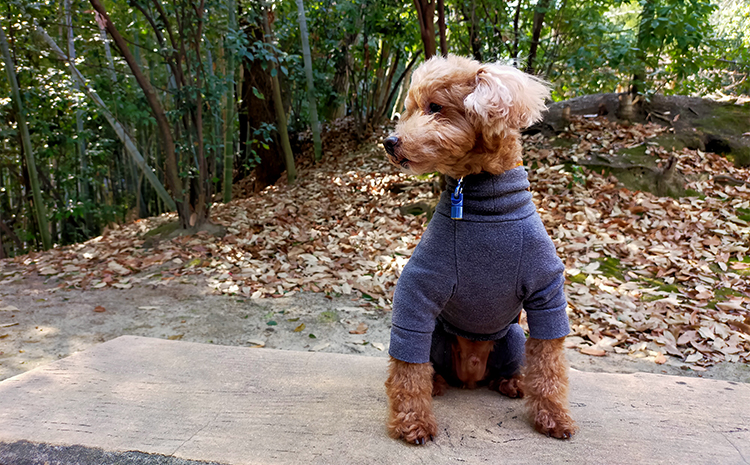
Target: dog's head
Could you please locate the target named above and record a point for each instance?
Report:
(463, 117)
(470, 360)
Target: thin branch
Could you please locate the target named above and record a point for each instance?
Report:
(157, 32)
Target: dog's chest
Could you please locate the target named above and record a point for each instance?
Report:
(487, 259)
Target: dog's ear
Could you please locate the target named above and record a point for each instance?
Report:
(505, 98)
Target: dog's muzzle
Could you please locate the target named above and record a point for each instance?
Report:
(390, 144)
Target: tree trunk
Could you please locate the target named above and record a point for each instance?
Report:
(165, 130)
(645, 29)
(39, 207)
(516, 30)
(471, 17)
(291, 170)
(82, 156)
(256, 108)
(229, 122)
(379, 84)
(386, 92)
(441, 28)
(426, 17)
(536, 32)
(403, 88)
(107, 50)
(312, 102)
(129, 144)
(336, 104)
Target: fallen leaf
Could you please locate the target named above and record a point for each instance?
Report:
(595, 351)
(361, 329)
(320, 346)
(299, 328)
(99, 309)
(117, 268)
(175, 337)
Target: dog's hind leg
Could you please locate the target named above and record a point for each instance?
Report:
(439, 385)
(511, 387)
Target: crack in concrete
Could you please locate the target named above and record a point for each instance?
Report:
(195, 434)
(744, 460)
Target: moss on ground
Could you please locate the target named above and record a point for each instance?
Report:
(329, 316)
(723, 130)
(164, 230)
(611, 268)
(722, 295)
(726, 119)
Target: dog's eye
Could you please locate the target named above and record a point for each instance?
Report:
(434, 108)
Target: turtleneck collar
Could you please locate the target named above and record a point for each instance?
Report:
(491, 198)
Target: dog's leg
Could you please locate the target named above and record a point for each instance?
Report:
(409, 390)
(546, 387)
(511, 387)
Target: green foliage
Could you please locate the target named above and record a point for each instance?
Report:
(671, 46)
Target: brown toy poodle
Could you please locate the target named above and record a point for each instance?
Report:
(484, 257)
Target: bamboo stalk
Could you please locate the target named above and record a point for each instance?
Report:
(39, 209)
(229, 133)
(291, 170)
(307, 57)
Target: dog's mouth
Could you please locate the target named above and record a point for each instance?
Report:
(402, 161)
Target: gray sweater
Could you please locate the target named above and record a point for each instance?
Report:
(479, 272)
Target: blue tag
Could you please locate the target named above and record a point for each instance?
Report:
(457, 201)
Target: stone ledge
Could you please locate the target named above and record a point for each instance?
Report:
(171, 402)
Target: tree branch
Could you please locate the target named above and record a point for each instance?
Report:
(165, 131)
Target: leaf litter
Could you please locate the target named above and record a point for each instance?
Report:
(647, 276)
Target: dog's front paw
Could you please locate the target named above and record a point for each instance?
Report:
(511, 387)
(413, 427)
(556, 424)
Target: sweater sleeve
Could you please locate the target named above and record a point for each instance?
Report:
(422, 291)
(541, 285)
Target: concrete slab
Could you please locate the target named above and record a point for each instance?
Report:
(150, 401)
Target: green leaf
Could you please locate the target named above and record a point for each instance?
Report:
(271, 323)
(257, 94)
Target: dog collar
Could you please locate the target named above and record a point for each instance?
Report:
(457, 201)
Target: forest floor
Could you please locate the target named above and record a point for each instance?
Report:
(656, 284)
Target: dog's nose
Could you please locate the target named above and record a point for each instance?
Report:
(390, 144)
